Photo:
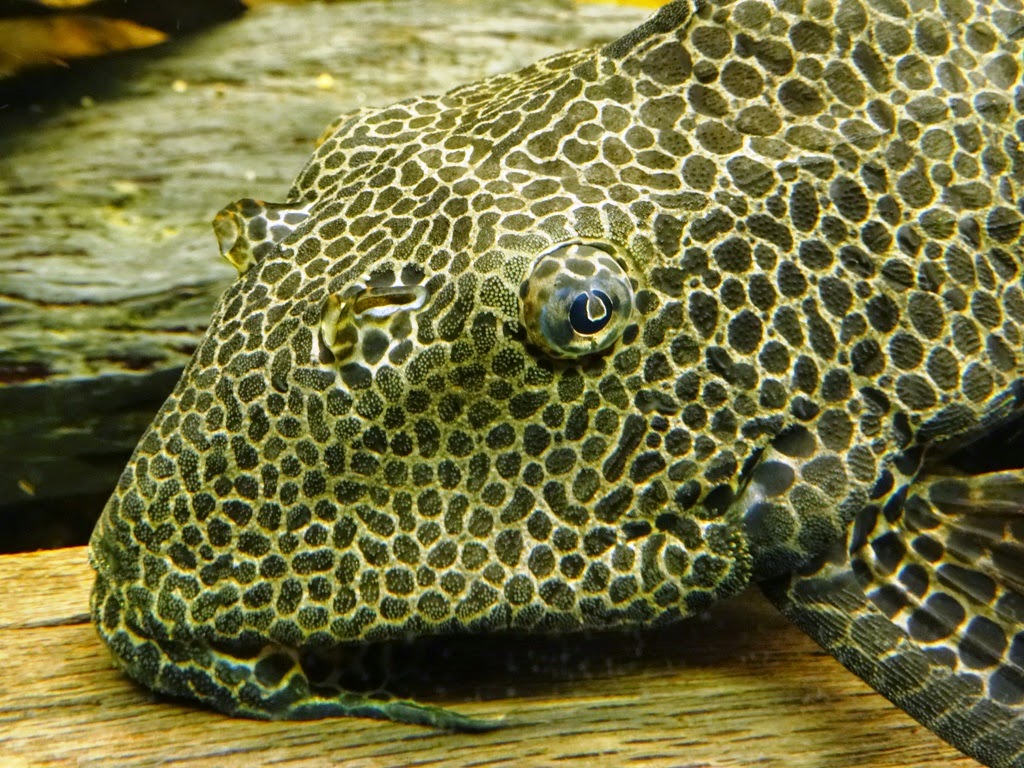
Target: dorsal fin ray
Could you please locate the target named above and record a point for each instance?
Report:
(247, 230)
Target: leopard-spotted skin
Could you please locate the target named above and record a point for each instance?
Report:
(812, 213)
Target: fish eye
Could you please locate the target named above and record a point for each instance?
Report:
(576, 300)
(590, 312)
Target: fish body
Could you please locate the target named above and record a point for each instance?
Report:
(601, 342)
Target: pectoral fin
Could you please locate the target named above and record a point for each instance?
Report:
(926, 604)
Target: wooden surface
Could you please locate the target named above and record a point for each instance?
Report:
(111, 171)
(739, 687)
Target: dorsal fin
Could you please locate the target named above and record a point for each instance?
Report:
(247, 230)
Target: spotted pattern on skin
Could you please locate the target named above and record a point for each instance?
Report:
(817, 207)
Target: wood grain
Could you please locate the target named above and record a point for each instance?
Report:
(738, 687)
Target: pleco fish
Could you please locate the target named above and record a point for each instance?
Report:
(601, 342)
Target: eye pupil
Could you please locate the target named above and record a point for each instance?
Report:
(590, 312)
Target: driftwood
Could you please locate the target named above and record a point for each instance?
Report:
(36, 33)
(111, 172)
(170, 16)
(739, 687)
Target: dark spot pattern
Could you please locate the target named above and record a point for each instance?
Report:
(817, 214)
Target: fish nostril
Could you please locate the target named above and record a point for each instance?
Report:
(378, 302)
(346, 316)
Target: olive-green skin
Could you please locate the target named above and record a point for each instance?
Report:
(818, 208)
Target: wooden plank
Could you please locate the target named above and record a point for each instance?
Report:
(738, 687)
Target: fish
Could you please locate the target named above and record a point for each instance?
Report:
(735, 299)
